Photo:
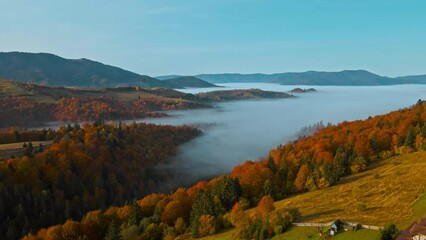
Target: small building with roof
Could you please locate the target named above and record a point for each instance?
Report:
(416, 231)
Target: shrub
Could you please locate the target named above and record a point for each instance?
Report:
(390, 232)
(207, 225)
(361, 207)
(265, 206)
(180, 226)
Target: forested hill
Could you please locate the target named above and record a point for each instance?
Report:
(342, 78)
(52, 70)
(89, 167)
(31, 105)
(307, 164)
(233, 95)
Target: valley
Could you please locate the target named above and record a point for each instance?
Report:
(369, 167)
(31, 105)
(186, 120)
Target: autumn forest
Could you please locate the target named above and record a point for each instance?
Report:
(96, 180)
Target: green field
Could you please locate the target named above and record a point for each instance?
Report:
(302, 233)
(391, 191)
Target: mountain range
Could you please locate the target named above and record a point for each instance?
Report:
(342, 78)
(52, 70)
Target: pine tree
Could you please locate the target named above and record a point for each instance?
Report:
(271, 165)
(268, 189)
(114, 232)
(228, 190)
(203, 205)
(136, 214)
(410, 138)
(341, 161)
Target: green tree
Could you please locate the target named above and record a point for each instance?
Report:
(228, 190)
(390, 232)
(271, 165)
(203, 205)
(410, 138)
(114, 232)
(136, 214)
(341, 161)
(268, 189)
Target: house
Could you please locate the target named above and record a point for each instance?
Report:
(350, 226)
(336, 227)
(416, 231)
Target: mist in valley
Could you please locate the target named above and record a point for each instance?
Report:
(246, 130)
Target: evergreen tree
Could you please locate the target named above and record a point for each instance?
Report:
(28, 149)
(203, 205)
(410, 139)
(390, 232)
(341, 161)
(136, 214)
(114, 232)
(228, 190)
(268, 189)
(40, 148)
(271, 165)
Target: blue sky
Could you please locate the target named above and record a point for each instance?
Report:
(158, 37)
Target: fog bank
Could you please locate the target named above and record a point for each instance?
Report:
(247, 130)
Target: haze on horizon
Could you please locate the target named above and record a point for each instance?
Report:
(246, 36)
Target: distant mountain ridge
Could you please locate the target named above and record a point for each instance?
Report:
(52, 70)
(166, 77)
(342, 78)
(187, 82)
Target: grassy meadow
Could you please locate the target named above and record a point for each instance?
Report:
(392, 190)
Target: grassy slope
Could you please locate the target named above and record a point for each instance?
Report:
(16, 149)
(392, 191)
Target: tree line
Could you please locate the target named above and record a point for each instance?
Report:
(23, 111)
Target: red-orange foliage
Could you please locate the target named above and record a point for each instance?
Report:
(26, 111)
(317, 161)
(301, 178)
(265, 206)
(87, 168)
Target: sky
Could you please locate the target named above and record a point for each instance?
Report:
(187, 37)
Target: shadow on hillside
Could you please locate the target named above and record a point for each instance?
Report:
(366, 173)
(316, 215)
(353, 178)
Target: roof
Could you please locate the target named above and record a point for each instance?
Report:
(417, 228)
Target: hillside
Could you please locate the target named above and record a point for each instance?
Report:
(31, 105)
(51, 70)
(342, 78)
(391, 191)
(232, 95)
(187, 82)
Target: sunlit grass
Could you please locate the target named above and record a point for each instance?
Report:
(391, 191)
(387, 192)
